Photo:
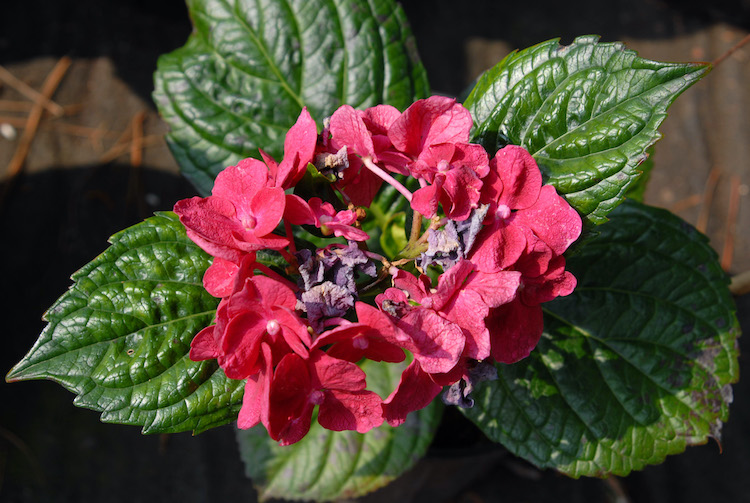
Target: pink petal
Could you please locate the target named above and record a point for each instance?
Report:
(460, 193)
(521, 177)
(497, 247)
(495, 289)
(255, 399)
(332, 373)
(297, 211)
(218, 279)
(203, 346)
(299, 147)
(239, 183)
(348, 129)
(267, 208)
(436, 342)
(241, 344)
(290, 409)
(415, 391)
(274, 293)
(428, 122)
(358, 411)
(425, 200)
(515, 330)
(552, 219)
(379, 118)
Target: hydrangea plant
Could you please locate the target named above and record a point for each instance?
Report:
(362, 255)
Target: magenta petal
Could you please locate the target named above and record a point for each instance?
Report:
(349, 130)
(425, 200)
(415, 391)
(358, 411)
(299, 147)
(240, 183)
(332, 373)
(267, 207)
(218, 279)
(521, 177)
(515, 330)
(434, 120)
(437, 342)
(552, 219)
(203, 346)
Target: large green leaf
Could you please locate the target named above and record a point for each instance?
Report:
(636, 364)
(249, 67)
(586, 112)
(330, 465)
(119, 338)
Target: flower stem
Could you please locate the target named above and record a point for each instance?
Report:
(387, 178)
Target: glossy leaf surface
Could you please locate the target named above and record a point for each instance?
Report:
(635, 365)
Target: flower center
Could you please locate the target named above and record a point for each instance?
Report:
(360, 342)
(249, 222)
(443, 166)
(503, 212)
(317, 397)
(273, 327)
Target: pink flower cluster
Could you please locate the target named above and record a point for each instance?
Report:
(495, 235)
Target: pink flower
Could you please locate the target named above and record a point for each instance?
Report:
(299, 148)
(374, 336)
(455, 171)
(520, 206)
(260, 311)
(429, 122)
(340, 223)
(447, 323)
(364, 134)
(516, 327)
(336, 386)
(240, 215)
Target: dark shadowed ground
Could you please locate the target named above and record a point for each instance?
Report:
(59, 213)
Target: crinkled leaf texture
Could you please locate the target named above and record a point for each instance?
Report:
(249, 67)
(636, 364)
(587, 112)
(330, 465)
(119, 338)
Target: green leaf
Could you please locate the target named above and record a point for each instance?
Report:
(637, 190)
(119, 338)
(330, 465)
(586, 112)
(249, 67)
(636, 364)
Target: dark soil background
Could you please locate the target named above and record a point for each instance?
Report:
(58, 214)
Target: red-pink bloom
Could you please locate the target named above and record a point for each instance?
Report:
(516, 327)
(338, 387)
(447, 323)
(429, 122)
(240, 215)
(374, 336)
(260, 311)
(454, 171)
(415, 391)
(339, 223)
(299, 148)
(364, 135)
(519, 204)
